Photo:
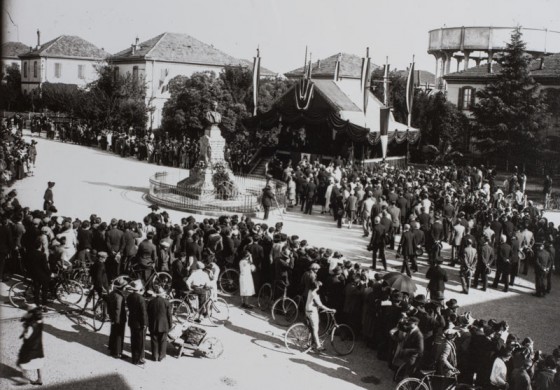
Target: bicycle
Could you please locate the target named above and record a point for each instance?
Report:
(98, 309)
(189, 309)
(81, 274)
(425, 382)
(298, 338)
(284, 310)
(156, 279)
(229, 280)
(68, 292)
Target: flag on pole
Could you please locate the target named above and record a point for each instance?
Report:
(386, 83)
(256, 79)
(410, 92)
(365, 78)
(384, 129)
(337, 67)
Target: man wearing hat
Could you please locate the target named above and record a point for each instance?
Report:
(159, 323)
(468, 265)
(438, 277)
(137, 321)
(117, 315)
(446, 362)
(412, 346)
(503, 264)
(407, 248)
(99, 280)
(48, 197)
(199, 282)
(543, 263)
(113, 242)
(267, 200)
(377, 243)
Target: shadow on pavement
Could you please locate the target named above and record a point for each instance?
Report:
(126, 188)
(337, 373)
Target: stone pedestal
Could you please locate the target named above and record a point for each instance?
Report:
(200, 184)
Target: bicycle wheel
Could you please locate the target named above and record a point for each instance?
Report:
(69, 292)
(211, 347)
(342, 339)
(85, 279)
(99, 314)
(265, 297)
(298, 338)
(219, 311)
(229, 281)
(181, 312)
(411, 384)
(20, 294)
(127, 279)
(163, 280)
(284, 311)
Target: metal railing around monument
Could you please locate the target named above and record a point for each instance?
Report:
(247, 200)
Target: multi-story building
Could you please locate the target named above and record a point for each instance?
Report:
(66, 60)
(161, 58)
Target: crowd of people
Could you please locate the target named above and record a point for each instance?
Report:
(17, 157)
(407, 210)
(160, 149)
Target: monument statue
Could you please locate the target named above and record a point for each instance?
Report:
(213, 117)
(205, 148)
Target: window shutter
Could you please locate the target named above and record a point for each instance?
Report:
(473, 95)
(460, 100)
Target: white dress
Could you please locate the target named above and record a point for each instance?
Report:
(246, 285)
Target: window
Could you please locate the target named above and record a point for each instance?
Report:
(25, 69)
(135, 74)
(116, 73)
(35, 68)
(57, 70)
(466, 98)
(81, 72)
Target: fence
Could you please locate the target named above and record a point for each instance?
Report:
(245, 199)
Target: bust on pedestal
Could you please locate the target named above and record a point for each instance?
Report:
(211, 146)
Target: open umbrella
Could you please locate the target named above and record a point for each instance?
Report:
(400, 282)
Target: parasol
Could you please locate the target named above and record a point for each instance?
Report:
(400, 282)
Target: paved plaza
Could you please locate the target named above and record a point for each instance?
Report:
(92, 181)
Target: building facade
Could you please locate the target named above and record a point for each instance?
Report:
(160, 59)
(66, 60)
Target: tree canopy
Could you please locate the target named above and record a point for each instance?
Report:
(511, 112)
(183, 113)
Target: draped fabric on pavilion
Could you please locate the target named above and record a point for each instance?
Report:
(332, 106)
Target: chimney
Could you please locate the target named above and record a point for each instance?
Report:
(38, 39)
(318, 64)
(137, 41)
(133, 48)
(541, 65)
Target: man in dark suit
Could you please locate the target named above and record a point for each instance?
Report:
(159, 323)
(407, 248)
(412, 346)
(483, 264)
(127, 247)
(267, 199)
(137, 321)
(310, 192)
(113, 241)
(437, 277)
(377, 243)
(503, 264)
(302, 185)
(147, 256)
(117, 315)
(40, 273)
(48, 197)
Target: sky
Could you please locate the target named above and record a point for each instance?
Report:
(397, 29)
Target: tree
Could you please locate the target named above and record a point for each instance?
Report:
(442, 154)
(59, 97)
(112, 102)
(11, 97)
(511, 112)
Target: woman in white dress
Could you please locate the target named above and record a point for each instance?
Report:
(246, 284)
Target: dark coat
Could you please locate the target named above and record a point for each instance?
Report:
(137, 312)
(407, 246)
(113, 239)
(378, 235)
(128, 243)
(99, 275)
(38, 265)
(193, 249)
(267, 197)
(147, 253)
(159, 315)
(116, 307)
(85, 239)
(437, 277)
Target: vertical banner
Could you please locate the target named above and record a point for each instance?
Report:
(410, 92)
(256, 79)
(386, 83)
(365, 79)
(384, 129)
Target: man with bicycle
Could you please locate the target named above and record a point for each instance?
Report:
(199, 283)
(312, 306)
(99, 280)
